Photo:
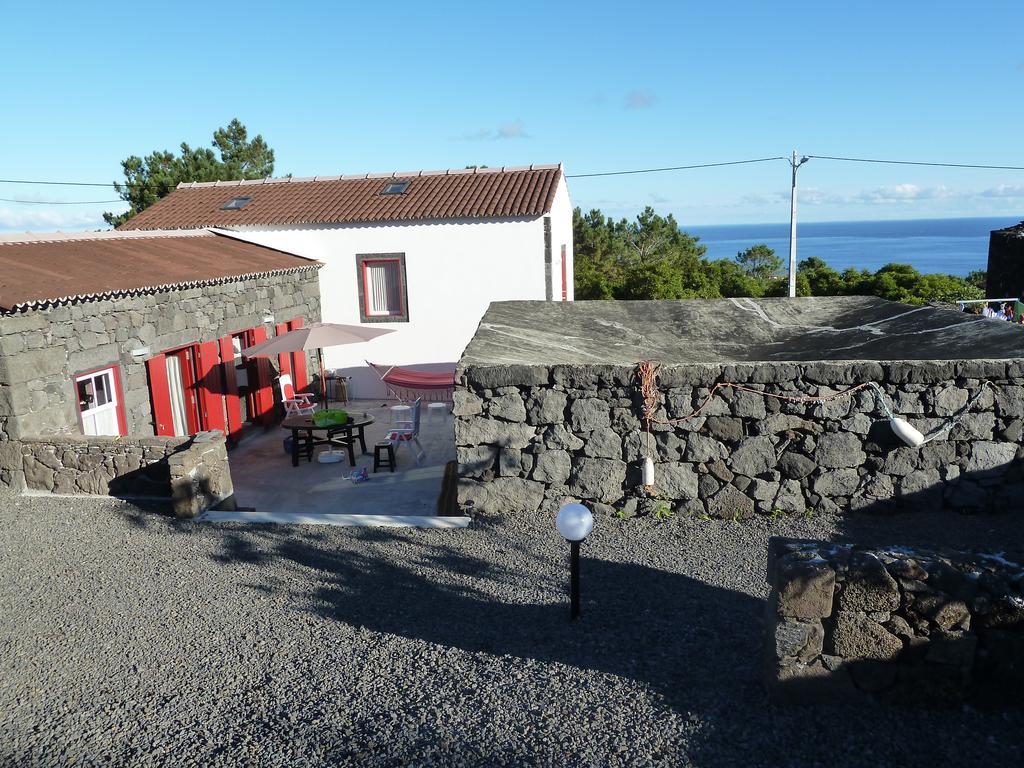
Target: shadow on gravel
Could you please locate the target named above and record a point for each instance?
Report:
(698, 648)
(665, 630)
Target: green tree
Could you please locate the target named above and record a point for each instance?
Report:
(822, 280)
(156, 175)
(759, 261)
(647, 258)
(650, 257)
(977, 278)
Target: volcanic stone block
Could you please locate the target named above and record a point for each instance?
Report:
(837, 482)
(754, 456)
(790, 498)
(748, 405)
(552, 467)
(588, 414)
(804, 589)
(598, 479)
(604, 443)
(798, 639)
(838, 450)
(855, 636)
(676, 480)
(796, 466)
(948, 401)
(481, 431)
(701, 449)
(988, 456)
(546, 406)
(730, 504)
(509, 407)
(559, 438)
(502, 495)
(475, 460)
(868, 586)
(724, 428)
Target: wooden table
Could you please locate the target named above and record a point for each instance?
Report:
(336, 435)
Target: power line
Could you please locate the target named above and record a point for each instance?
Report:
(57, 183)
(913, 162)
(673, 168)
(58, 202)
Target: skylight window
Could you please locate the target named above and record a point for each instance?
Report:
(396, 187)
(236, 203)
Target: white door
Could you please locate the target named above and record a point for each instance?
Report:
(97, 400)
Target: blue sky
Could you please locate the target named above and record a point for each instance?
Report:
(349, 88)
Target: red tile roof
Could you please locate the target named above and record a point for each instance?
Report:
(37, 272)
(455, 194)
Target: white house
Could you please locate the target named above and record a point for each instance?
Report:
(423, 253)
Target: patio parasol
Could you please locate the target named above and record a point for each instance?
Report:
(315, 336)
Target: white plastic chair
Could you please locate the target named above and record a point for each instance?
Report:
(300, 404)
(408, 433)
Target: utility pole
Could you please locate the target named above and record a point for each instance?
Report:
(792, 225)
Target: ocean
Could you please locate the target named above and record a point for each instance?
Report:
(953, 246)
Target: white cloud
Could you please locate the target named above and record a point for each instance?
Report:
(903, 193)
(510, 130)
(42, 219)
(640, 98)
(1004, 190)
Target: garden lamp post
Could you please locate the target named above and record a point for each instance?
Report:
(575, 523)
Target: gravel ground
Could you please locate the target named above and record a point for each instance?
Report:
(131, 639)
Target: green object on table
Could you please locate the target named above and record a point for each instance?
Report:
(330, 418)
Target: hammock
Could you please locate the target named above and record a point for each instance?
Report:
(401, 382)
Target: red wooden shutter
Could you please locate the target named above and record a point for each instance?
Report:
(210, 386)
(231, 401)
(160, 396)
(264, 395)
(284, 360)
(299, 360)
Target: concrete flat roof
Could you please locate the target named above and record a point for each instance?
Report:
(708, 331)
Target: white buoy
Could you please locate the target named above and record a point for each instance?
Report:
(906, 432)
(648, 471)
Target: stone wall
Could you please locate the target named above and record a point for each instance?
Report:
(42, 350)
(910, 627)
(190, 473)
(530, 437)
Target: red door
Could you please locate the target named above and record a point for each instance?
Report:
(210, 386)
(163, 422)
(263, 395)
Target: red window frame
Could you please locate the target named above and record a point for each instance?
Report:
(122, 422)
(401, 315)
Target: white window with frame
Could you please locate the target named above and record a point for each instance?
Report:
(382, 288)
(99, 403)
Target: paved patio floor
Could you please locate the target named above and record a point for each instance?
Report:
(265, 479)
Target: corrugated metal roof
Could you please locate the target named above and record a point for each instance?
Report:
(62, 269)
(456, 194)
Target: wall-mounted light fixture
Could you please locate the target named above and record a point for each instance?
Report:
(268, 318)
(141, 353)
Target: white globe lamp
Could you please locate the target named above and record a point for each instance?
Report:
(574, 522)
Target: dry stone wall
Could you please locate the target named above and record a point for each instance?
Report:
(908, 626)
(530, 437)
(190, 473)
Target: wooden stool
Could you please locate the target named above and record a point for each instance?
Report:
(383, 456)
